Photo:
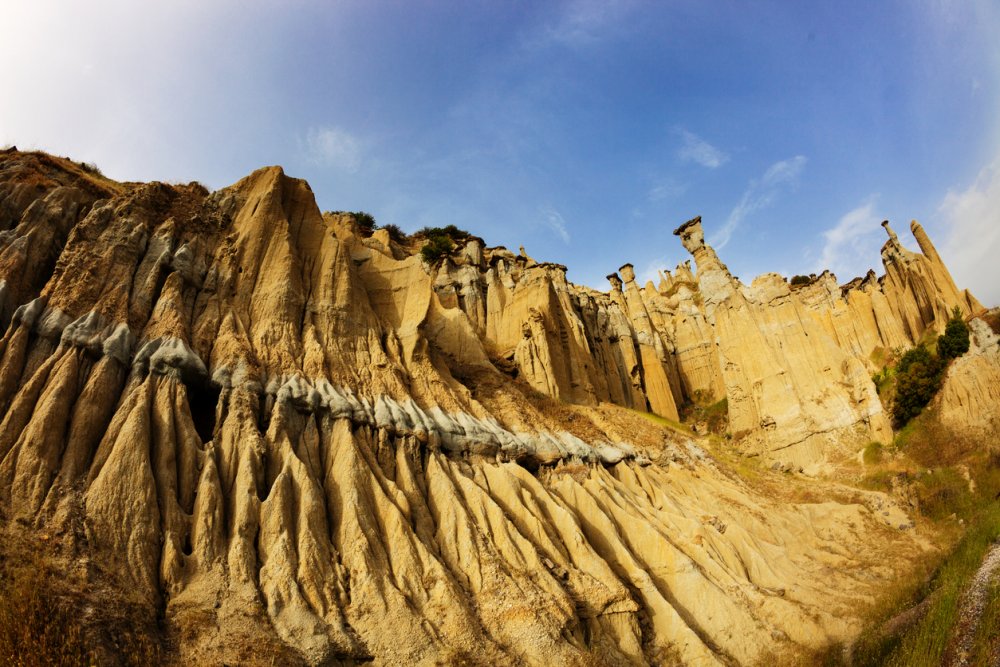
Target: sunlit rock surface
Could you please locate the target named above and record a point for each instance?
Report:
(263, 424)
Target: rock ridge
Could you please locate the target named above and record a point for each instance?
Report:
(272, 430)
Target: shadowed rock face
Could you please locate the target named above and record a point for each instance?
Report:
(262, 424)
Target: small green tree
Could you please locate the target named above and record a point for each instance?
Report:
(451, 231)
(437, 246)
(918, 377)
(955, 341)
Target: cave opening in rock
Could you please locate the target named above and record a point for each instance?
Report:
(203, 399)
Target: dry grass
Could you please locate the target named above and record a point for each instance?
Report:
(51, 615)
(992, 318)
(955, 480)
(712, 417)
(925, 640)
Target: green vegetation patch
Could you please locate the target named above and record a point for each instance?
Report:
(440, 241)
(436, 248)
(396, 234)
(955, 340)
(365, 221)
(451, 231)
(933, 607)
(874, 453)
(715, 415)
(918, 378)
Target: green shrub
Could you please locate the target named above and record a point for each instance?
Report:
(91, 168)
(451, 231)
(366, 221)
(801, 280)
(944, 492)
(918, 377)
(924, 643)
(873, 453)
(395, 233)
(883, 380)
(955, 341)
(437, 246)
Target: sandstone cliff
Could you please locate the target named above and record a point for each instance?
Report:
(793, 362)
(969, 399)
(260, 423)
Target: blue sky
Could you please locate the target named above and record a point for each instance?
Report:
(585, 131)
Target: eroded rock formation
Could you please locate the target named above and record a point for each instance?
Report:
(262, 424)
(793, 362)
(969, 399)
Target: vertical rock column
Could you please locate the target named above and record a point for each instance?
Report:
(942, 277)
(793, 394)
(651, 351)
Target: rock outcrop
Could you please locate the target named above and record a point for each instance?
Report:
(794, 362)
(263, 425)
(969, 399)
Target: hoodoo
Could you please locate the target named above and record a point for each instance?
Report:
(282, 440)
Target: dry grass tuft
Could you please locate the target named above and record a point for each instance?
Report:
(50, 615)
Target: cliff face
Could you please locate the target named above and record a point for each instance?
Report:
(261, 424)
(794, 363)
(969, 399)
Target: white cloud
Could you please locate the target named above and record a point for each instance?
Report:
(556, 222)
(668, 188)
(850, 249)
(695, 149)
(651, 272)
(760, 193)
(582, 23)
(333, 146)
(972, 248)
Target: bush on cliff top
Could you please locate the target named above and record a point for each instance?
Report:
(955, 340)
(395, 233)
(365, 221)
(440, 241)
(451, 231)
(437, 247)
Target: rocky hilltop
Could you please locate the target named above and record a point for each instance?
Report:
(262, 427)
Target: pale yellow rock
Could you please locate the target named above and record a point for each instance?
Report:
(969, 398)
(275, 433)
(794, 396)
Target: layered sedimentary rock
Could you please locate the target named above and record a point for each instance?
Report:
(263, 425)
(790, 388)
(793, 361)
(969, 399)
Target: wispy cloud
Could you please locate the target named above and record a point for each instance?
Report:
(651, 271)
(849, 249)
(972, 247)
(760, 193)
(333, 146)
(581, 23)
(695, 149)
(668, 188)
(554, 220)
